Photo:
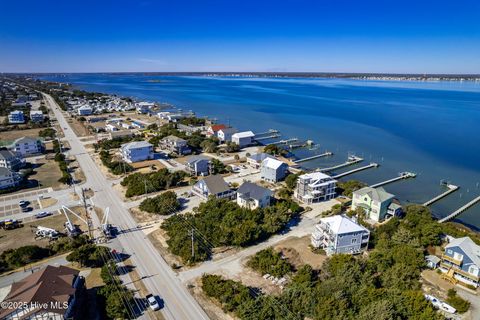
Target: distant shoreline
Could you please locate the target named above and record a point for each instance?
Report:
(329, 75)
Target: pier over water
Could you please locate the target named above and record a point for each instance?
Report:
(460, 210)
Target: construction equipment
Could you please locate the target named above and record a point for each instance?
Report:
(10, 224)
(107, 228)
(44, 232)
(72, 230)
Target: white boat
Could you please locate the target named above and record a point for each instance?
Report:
(440, 304)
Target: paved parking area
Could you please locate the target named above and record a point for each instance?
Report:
(25, 195)
(11, 209)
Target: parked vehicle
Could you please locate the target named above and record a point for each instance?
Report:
(440, 304)
(26, 209)
(10, 224)
(152, 302)
(23, 203)
(43, 214)
(44, 232)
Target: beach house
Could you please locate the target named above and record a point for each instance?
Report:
(213, 185)
(137, 151)
(273, 170)
(377, 203)
(212, 131)
(340, 234)
(8, 178)
(16, 117)
(49, 293)
(461, 261)
(253, 196)
(27, 146)
(244, 138)
(198, 165)
(36, 116)
(10, 160)
(175, 144)
(255, 160)
(315, 187)
(85, 110)
(225, 134)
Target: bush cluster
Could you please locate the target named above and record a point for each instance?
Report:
(141, 183)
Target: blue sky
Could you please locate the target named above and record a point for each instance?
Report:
(240, 35)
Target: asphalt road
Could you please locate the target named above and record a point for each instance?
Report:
(159, 277)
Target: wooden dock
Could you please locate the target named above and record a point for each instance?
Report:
(460, 210)
(451, 188)
(401, 176)
(351, 160)
(371, 165)
(271, 136)
(326, 154)
(285, 141)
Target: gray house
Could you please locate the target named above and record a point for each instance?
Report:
(213, 186)
(198, 165)
(255, 160)
(461, 261)
(273, 170)
(175, 144)
(340, 234)
(252, 196)
(10, 160)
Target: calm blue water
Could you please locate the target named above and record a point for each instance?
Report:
(431, 128)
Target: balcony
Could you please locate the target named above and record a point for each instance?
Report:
(460, 271)
(451, 260)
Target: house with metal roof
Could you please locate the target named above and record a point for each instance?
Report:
(315, 187)
(215, 186)
(51, 293)
(377, 203)
(273, 170)
(340, 234)
(255, 160)
(137, 151)
(461, 261)
(8, 178)
(253, 196)
(10, 160)
(244, 138)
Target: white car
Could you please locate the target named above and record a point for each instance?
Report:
(152, 302)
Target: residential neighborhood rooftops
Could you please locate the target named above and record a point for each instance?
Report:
(173, 138)
(5, 171)
(25, 140)
(340, 224)
(216, 184)
(253, 190)
(195, 158)
(471, 249)
(377, 194)
(217, 127)
(317, 175)
(6, 154)
(228, 130)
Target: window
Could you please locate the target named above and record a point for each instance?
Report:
(449, 251)
(473, 270)
(457, 256)
(354, 240)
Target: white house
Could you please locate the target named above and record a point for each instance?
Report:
(137, 151)
(315, 187)
(16, 117)
(253, 196)
(244, 138)
(27, 146)
(8, 178)
(340, 234)
(273, 170)
(84, 111)
(36, 116)
(10, 160)
(144, 107)
(255, 160)
(225, 134)
(111, 127)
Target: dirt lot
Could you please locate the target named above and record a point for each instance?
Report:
(10, 136)
(298, 252)
(78, 127)
(11, 239)
(47, 174)
(146, 165)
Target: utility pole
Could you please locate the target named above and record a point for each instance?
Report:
(87, 215)
(193, 249)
